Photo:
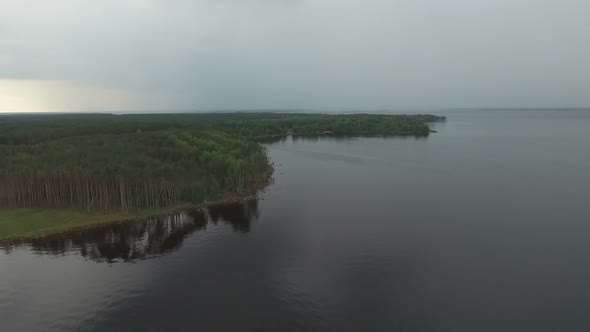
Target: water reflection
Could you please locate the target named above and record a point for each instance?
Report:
(334, 138)
(239, 216)
(131, 241)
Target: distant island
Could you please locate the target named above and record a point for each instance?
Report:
(60, 171)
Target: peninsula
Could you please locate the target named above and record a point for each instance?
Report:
(60, 171)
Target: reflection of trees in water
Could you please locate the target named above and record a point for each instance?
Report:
(129, 241)
(239, 215)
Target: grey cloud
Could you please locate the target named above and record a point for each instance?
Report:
(307, 54)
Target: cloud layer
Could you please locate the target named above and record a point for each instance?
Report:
(320, 54)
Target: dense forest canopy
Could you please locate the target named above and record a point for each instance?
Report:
(129, 162)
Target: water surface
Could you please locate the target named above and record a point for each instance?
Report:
(483, 226)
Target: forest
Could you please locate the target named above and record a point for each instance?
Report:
(106, 162)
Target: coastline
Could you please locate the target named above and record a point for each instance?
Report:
(107, 219)
(126, 179)
(117, 217)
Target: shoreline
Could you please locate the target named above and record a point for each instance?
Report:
(119, 217)
(140, 197)
(20, 239)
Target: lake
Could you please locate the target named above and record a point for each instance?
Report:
(482, 226)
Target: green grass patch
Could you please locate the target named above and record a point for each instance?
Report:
(23, 222)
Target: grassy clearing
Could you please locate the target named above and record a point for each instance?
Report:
(23, 222)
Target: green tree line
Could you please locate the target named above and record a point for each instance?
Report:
(113, 162)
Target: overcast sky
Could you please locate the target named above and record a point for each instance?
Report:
(77, 55)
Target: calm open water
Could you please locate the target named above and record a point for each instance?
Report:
(483, 226)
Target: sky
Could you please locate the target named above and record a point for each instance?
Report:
(162, 55)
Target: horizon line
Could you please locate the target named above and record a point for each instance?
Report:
(300, 110)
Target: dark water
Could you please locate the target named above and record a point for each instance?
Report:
(483, 226)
